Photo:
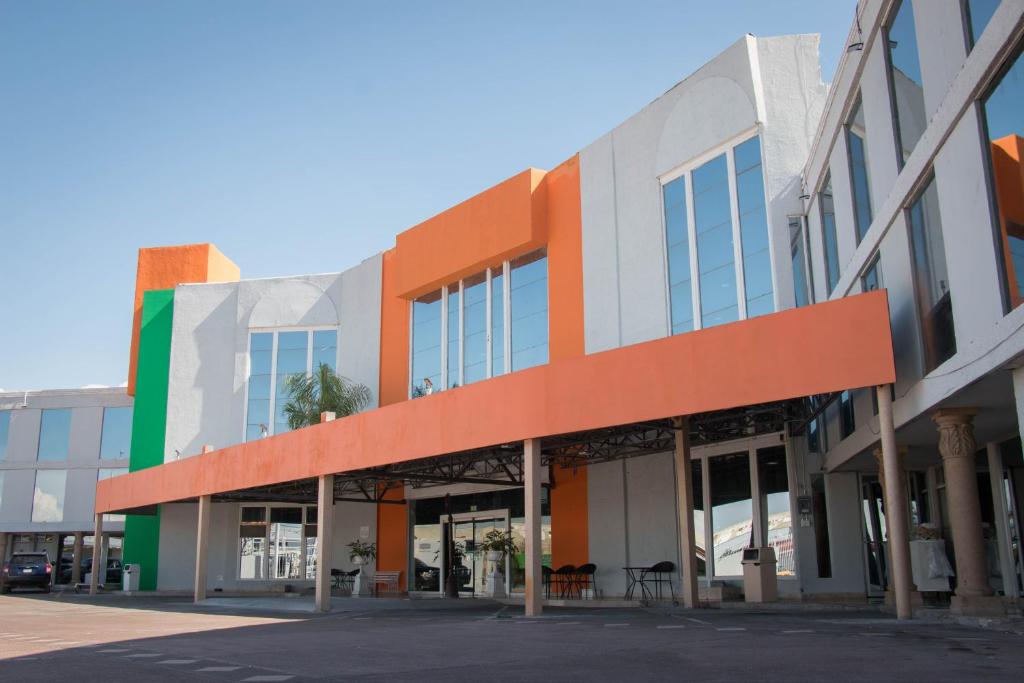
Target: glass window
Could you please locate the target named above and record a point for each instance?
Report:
(775, 511)
(426, 344)
(828, 234)
(116, 442)
(325, 349)
(529, 308)
(698, 516)
(292, 351)
(48, 499)
(905, 80)
(107, 473)
(285, 542)
(1003, 107)
(847, 421)
(453, 336)
(978, 13)
(931, 280)
(798, 259)
(54, 434)
(474, 328)
(261, 345)
(677, 234)
(5, 430)
(871, 279)
(252, 534)
(855, 137)
(715, 257)
(497, 322)
(817, 435)
(757, 263)
(819, 509)
(731, 511)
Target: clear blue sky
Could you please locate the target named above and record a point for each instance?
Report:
(300, 137)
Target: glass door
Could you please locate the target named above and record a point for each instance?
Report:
(875, 540)
(470, 563)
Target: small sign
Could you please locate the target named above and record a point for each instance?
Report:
(803, 505)
(364, 532)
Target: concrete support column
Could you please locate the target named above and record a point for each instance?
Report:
(684, 496)
(202, 541)
(97, 536)
(3, 547)
(531, 475)
(76, 559)
(957, 447)
(896, 515)
(324, 541)
(999, 502)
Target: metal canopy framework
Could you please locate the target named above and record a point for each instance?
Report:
(502, 465)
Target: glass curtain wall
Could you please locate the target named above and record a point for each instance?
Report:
(54, 434)
(716, 259)
(773, 482)
(116, 437)
(905, 83)
(731, 511)
(857, 149)
(48, 497)
(677, 234)
(871, 279)
(798, 261)
(261, 362)
(828, 233)
(482, 336)
(978, 13)
(107, 473)
(1003, 108)
(931, 279)
(5, 430)
(757, 262)
(291, 360)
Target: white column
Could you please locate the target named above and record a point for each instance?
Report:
(202, 541)
(531, 473)
(324, 537)
(896, 515)
(687, 533)
(1002, 515)
(97, 550)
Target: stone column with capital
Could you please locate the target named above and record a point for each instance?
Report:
(957, 447)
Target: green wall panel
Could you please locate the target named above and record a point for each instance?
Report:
(149, 425)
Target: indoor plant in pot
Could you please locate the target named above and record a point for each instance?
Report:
(497, 544)
(361, 555)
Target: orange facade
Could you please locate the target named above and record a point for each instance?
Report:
(168, 267)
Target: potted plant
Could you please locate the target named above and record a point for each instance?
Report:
(361, 553)
(497, 543)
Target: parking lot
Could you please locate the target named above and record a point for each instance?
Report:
(51, 637)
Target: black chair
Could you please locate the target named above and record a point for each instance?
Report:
(343, 579)
(545, 574)
(657, 575)
(586, 578)
(565, 580)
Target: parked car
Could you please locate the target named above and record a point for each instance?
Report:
(114, 570)
(27, 570)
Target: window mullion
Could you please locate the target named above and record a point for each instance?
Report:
(444, 338)
(506, 283)
(737, 244)
(462, 333)
(309, 353)
(271, 417)
(691, 230)
(488, 336)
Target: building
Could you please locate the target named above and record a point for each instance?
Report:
(668, 347)
(54, 447)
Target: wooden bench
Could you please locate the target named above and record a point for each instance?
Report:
(387, 579)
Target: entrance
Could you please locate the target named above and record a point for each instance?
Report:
(471, 565)
(875, 540)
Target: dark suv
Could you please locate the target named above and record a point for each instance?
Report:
(27, 569)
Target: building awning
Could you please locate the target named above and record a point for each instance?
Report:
(819, 349)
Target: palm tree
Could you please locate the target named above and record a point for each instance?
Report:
(323, 391)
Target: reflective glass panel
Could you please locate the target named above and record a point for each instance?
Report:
(474, 328)
(285, 543)
(698, 516)
(855, 137)
(426, 344)
(54, 432)
(871, 281)
(5, 430)
(252, 546)
(116, 442)
(292, 350)
(529, 302)
(931, 280)
(774, 483)
(798, 260)
(757, 264)
(325, 349)
(257, 421)
(453, 335)
(1004, 121)
(497, 322)
(979, 13)
(847, 421)
(715, 257)
(731, 511)
(48, 498)
(828, 234)
(426, 544)
(1, 489)
(311, 543)
(905, 79)
(677, 238)
(107, 473)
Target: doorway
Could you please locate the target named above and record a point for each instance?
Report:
(875, 539)
(471, 564)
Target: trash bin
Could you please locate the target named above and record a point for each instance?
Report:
(759, 581)
(130, 577)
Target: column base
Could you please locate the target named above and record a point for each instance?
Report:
(977, 605)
